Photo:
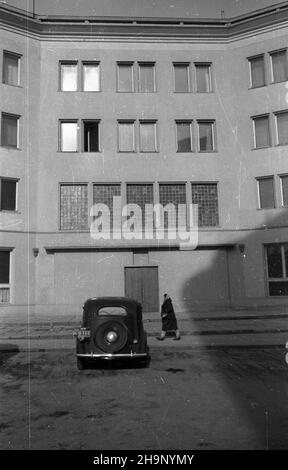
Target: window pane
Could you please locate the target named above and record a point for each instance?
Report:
(285, 247)
(257, 71)
(91, 77)
(274, 260)
(284, 186)
(8, 195)
(206, 136)
(278, 288)
(262, 132)
(125, 77)
(282, 128)
(11, 69)
(206, 196)
(146, 78)
(266, 193)
(147, 137)
(68, 77)
(9, 131)
(184, 137)
(4, 267)
(68, 136)
(73, 207)
(140, 194)
(172, 194)
(104, 194)
(126, 137)
(203, 78)
(91, 136)
(279, 66)
(181, 78)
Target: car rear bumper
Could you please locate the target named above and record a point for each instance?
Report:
(113, 356)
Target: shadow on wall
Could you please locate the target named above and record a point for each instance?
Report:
(247, 286)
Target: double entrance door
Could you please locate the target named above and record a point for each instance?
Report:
(141, 283)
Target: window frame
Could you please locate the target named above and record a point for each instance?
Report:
(78, 183)
(250, 59)
(60, 139)
(13, 180)
(213, 127)
(276, 114)
(261, 116)
(125, 63)
(189, 82)
(126, 121)
(281, 176)
(146, 63)
(155, 125)
(261, 178)
(202, 64)
(90, 62)
(18, 57)
(68, 62)
(284, 278)
(184, 121)
(98, 121)
(17, 118)
(214, 183)
(271, 53)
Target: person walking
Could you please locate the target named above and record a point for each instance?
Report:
(169, 321)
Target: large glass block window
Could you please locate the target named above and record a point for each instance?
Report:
(126, 136)
(205, 195)
(184, 136)
(181, 77)
(8, 188)
(125, 79)
(4, 276)
(68, 136)
(277, 269)
(91, 136)
(173, 193)
(282, 128)
(9, 130)
(203, 77)
(91, 76)
(146, 77)
(148, 136)
(279, 66)
(257, 71)
(11, 68)
(206, 130)
(104, 194)
(266, 192)
(73, 207)
(284, 189)
(68, 76)
(140, 194)
(262, 136)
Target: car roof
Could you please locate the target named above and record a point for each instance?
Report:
(113, 301)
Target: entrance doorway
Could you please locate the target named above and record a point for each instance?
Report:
(141, 283)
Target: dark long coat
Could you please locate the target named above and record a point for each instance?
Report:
(169, 321)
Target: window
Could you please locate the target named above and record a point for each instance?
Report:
(261, 131)
(68, 136)
(126, 136)
(203, 78)
(148, 136)
(184, 136)
(279, 66)
(284, 189)
(11, 68)
(4, 276)
(181, 78)
(206, 196)
(10, 130)
(206, 136)
(91, 76)
(172, 193)
(91, 136)
(125, 82)
(104, 194)
(257, 71)
(140, 194)
(277, 269)
(68, 76)
(282, 128)
(266, 192)
(146, 77)
(8, 194)
(73, 207)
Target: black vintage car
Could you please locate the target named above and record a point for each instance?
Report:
(111, 328)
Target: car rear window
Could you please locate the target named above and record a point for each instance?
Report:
(109, 311)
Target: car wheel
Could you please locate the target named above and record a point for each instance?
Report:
(80, 363)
